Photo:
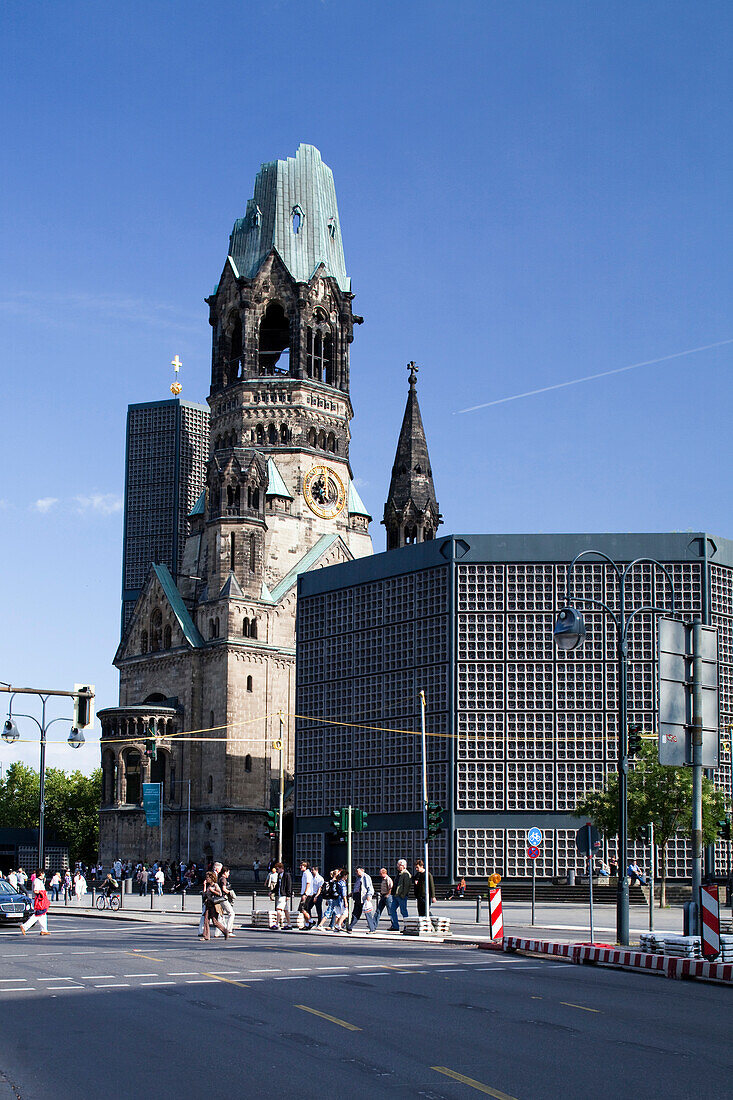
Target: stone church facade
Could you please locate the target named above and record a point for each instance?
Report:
(207, 660)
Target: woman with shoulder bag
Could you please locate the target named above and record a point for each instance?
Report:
(41, 905)
(213, 899)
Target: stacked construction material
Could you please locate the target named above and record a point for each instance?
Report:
(651, 942)
(682, 947)
(421, 926)
(267, 918)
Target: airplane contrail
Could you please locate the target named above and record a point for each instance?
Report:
(591, 377)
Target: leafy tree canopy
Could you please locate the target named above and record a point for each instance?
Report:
(72, 806)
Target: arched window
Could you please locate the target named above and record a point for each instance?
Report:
(297, 218)
(156, 630)
(331, 442)
(248, 763)
(144, 642)
(216, 627)
(245, 627)
(133, 788)
(260, 433)
(249, 683)
(157, 769)
(253, 628)
(272, 434)
(210, 785)
(256, 499)
(236, 348)
(167, 636)
(322, 440)
(311, 437)
(284, 434)
(232, 547)
(410, 535)
(108, 777)
(274, 340)
(252, 553)
(211, 628)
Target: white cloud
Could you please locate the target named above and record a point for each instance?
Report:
(105, 504)
(45, 504)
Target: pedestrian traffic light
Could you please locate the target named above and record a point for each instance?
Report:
(635, 732)
(724, 829)
(645, 834)
(273, 821)
(435, 819)
(340, 821)
(359, 820)
(151, 749)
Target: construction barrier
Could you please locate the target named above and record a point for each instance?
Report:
(710, 911)
(496, 920)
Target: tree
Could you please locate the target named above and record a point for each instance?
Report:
(658, 796)
(72, 806)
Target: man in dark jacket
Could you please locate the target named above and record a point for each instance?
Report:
(401, 891)
(418, 881)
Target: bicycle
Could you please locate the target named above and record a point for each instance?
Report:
(108, 901)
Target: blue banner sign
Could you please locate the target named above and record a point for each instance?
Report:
(152, 798)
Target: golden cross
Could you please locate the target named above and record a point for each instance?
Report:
(176, 364)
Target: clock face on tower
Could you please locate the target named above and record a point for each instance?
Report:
(324, 492)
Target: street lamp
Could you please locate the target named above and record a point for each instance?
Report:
(568, 635)
(76, 738)
(10, 731)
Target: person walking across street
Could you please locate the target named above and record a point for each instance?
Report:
(401, 890)
(386, 900)
(271, 883)
(213, 899)
(363, 894)
(41, 905)
(330, 892)
(159, 880)
(318, 888)
(418, 881)
(228, 896)
(306, 893)
(256, 869)
(283, 891)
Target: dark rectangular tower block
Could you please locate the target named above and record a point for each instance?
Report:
(517, 731)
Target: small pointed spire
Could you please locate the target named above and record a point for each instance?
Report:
(411, 513)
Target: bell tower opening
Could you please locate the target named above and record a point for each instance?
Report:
(274, 341)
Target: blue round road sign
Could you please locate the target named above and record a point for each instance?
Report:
(534, 837)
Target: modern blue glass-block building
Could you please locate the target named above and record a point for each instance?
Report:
(517, 730)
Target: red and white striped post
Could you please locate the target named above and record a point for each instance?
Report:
(710, 911)
(496, 920)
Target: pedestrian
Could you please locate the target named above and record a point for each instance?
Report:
(55, 885)
(306, 893)
(159, 880)
(318, 885)
(228, 896)
(330, 893)
(363, 895)
(636, 874)
(67, 884)
(401, 889)
(41, 905)
(142, 877)
(213, 899)
(418, 882)
(271, 883)
(341, 909)
(256, 869)
(386, 899)
(13, 879)
(283, 891)
(80, 886)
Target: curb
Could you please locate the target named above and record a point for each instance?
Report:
(621, 959)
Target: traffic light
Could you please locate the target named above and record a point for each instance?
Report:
(435, 819)
(340, 821)
(83, 711)
(151, 749)
(635, 732)
(359, 820)
(645, 834)
(273, 821)
(724, 829)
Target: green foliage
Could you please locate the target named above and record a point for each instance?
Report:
(72, 806)
(658, 795)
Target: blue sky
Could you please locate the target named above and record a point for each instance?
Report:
(529, 193)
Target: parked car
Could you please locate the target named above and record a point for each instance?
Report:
(14, 904)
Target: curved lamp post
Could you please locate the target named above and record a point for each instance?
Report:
(569, 634)
(11, 733)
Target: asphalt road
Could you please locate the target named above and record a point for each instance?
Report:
(133, 1010)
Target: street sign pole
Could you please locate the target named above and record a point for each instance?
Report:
(590, 880)
(425, 806)
(696, 769)
(651, 877)
(534, 877)
(349, 812)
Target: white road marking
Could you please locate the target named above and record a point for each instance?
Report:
(332, 968)
(202, 981)
(119, 985)
(267, 970)
(24, 989)
(182, 973)
(134, 976)
(13, 979)
(93, 977)
(69, 987)
(157, 983)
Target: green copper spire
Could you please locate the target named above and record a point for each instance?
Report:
(294, 211)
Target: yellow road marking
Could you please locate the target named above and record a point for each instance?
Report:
(474, 1084)
(333, 1019)
(137, 955)
(219, 978)
(569, 1004)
